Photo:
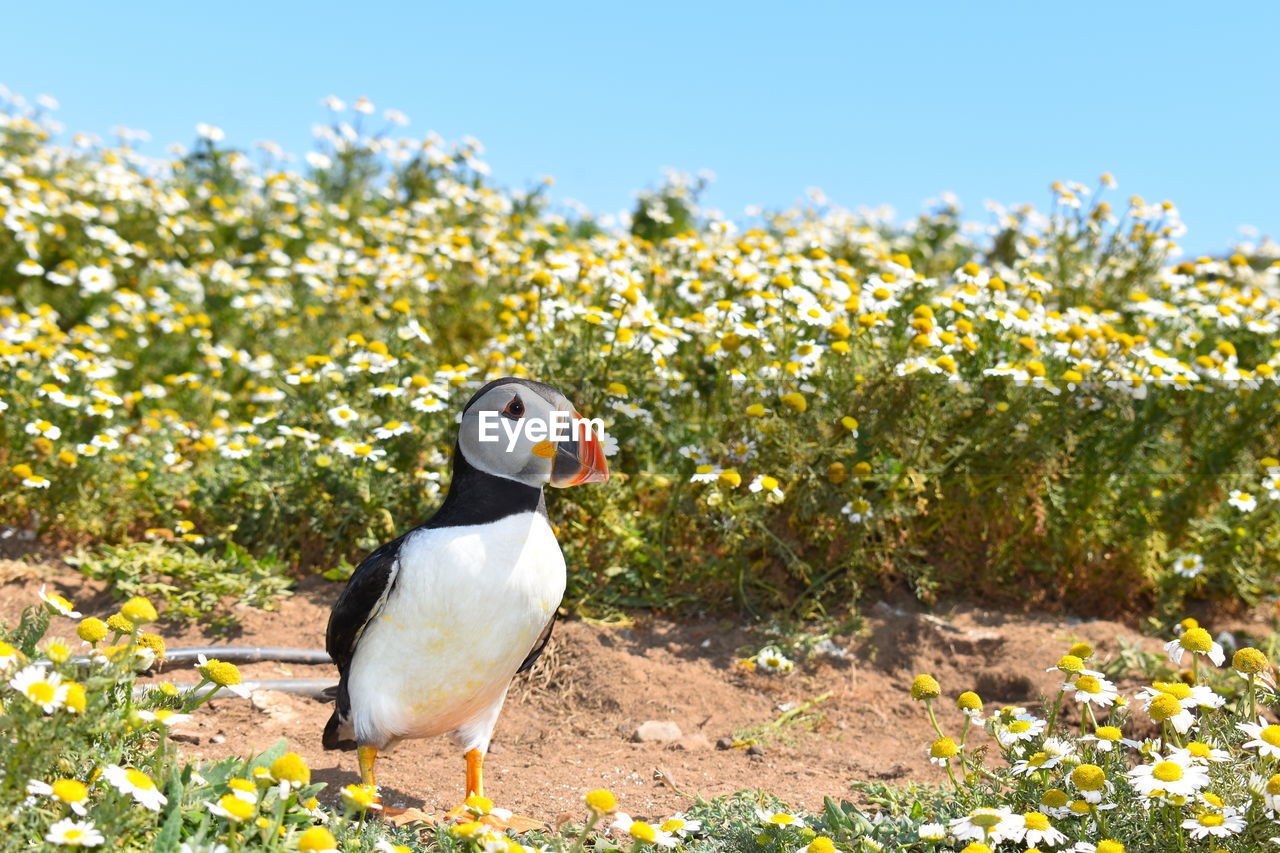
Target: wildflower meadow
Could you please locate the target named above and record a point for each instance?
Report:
(227, 367)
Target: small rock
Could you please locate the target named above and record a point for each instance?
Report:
(217, 739)
(693, 743)
(185, 737)
(724, 743)
(755, 749)
(656, 731)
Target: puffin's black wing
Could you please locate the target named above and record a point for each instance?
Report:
(353, 610)
(539, 646)
(354, 607)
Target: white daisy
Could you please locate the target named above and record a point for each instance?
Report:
(136, 784)
(74, 833)
(990, 825)
(1243, 501)
(58, 604)
(1177, 775)
(1216, 824)
(1024, 728)
(1264, 737)
(45, 689)
(1038, 830)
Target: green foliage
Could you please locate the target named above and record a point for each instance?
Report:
(220, 351)
(194, 586)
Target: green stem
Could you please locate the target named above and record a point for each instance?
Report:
(952, 777)
(1057, 704)
(928, 707)
(586, 830)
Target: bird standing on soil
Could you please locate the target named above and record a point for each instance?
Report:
(432, 627)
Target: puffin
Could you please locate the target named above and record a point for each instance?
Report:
(432, 626)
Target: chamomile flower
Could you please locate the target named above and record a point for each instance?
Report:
(1188, 565)
(342, 415)
(1215, 824)
(1243, 501)
(988, 824)
(932, 832)
(225, 675)
(680, 826)
(642, 831)
(74, 833)
(42, 687)
(58, 605)
(1176, 775)
(69, 791)
(1093, 690)
(1037, 829)
(135, 784)
(783, 819)
(1202, 753)
(1023, 728)
(1263, 736)
(769, 659)
(1196, 641)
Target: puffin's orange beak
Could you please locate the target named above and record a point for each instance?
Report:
(581, 459)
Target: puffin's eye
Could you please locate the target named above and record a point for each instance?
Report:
(515, 408)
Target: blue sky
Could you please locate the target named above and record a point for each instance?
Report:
(873, 102)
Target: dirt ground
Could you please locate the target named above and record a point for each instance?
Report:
(568, 724)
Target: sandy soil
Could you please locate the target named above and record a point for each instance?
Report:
(568, 724)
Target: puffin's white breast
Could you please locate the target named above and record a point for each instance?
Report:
(467, 607)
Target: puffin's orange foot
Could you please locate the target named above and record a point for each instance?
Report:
(515, 823)
(481, 810)
(400, 817)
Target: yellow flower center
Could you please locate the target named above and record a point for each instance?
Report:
(1249, 661)
(925, 687)
(601, 800)
(1089, 684)
(1036, 821)
(1070, 663)
(943, 748)
(671, 825)
(317, 838)
(41, 692)
(1163, 707)
(1198, 749)
(1210, 819)
(984, 818)
(73, 834)
(1196, 640)
(1167, 771)
(138, 779)
(1110, 733)
(1055, 798)
(70, 791)
(1019, 726)
(222, 673)
(1273, 785)
(642, 831)
(1176, 689)
(238, 809)
(1088, 777)
(1271, 734)
(478, 804)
